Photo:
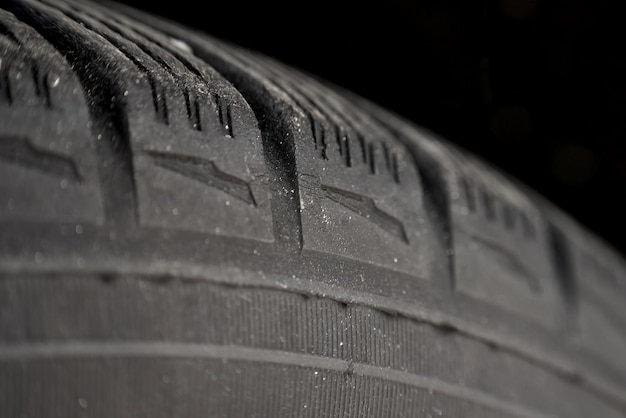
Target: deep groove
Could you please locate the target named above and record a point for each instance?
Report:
(386, 156)
(229, 121)
(344, 146)
(35, 73)
(197, 122)
(489, 204)
(361, 140)
(338, 140)
(394, 168)
(41, 84)
(193, 109)
(529, 229)
(319, 139)
(346, 139)
(46, 91)
(224, 115)
(372, 155)
(109, 119)
(564, 272)
(468, 193)
(7, 87)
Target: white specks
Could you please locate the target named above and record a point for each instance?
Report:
(18, 76)
(175, 211)
(125, 93)
(63, 184)
(38, 257)
(395, 260)
(99, 137)
(340, 343)
(79, 229)
(228, 203)
(83, 403)
(55, 82)
(315, 373)
(256, 252)
(168, 148)
(182, 45)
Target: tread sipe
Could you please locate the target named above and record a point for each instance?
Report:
(188, 228)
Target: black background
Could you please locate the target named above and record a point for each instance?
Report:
(535, 87)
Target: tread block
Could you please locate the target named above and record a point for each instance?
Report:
(192, 140)
(53, 169)
(500, 244)
(361, 180)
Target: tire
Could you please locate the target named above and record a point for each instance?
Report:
(191, 229)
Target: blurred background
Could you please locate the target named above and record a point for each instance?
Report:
(535, 87)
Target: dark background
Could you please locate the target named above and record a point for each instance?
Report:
(535, 87)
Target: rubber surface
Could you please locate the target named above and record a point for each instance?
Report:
(192, 229)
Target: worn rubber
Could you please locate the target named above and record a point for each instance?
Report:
(191, 229)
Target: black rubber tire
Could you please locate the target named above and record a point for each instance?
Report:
(191, 229)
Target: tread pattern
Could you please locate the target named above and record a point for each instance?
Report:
(276, 226)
